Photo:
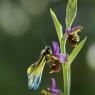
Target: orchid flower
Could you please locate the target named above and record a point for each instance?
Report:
(52, 90)
(57, 58)
(57, 54)
(72, 36)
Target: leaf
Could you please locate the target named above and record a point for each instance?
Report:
(75, 51)
(57, 24)
(71, 12)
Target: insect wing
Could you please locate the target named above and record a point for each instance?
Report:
(34, 73)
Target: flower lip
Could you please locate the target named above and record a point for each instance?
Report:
(75, 29)
(56, 52)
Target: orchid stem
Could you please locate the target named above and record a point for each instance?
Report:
(66, 69)
(66, 74)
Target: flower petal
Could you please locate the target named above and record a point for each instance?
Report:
(53, 83)
(75, 29)
(55, 47)
(53, 88)
(68, 31)
(62, 58)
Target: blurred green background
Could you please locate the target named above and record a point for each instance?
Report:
(26, 28)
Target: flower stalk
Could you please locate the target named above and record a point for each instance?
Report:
(65, 69)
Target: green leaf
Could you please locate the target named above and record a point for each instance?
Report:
(71, 12)
(75, 51)
(57, 24)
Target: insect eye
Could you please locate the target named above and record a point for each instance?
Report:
(48, 50)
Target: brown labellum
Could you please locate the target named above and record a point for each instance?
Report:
(55, 65)
(73, 39)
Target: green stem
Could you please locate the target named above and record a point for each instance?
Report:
(66, 75)
(66, 69)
